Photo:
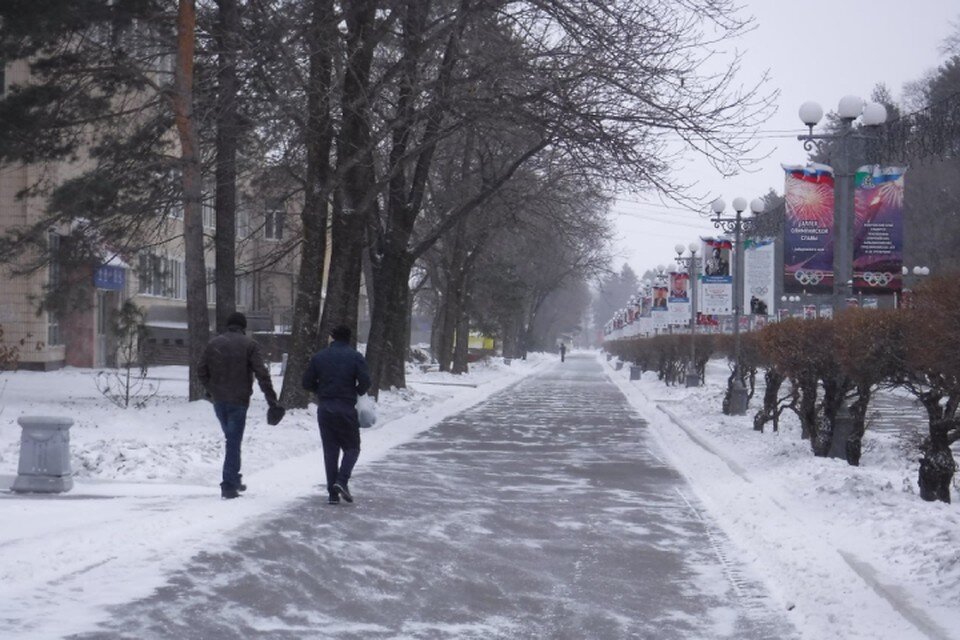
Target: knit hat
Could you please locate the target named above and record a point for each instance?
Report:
(237, 319)
(341, 333)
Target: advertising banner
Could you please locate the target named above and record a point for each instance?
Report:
(808, 232)
(716, 297)
(716, 284)
(759, 271)
(878, 229)
(679, 300)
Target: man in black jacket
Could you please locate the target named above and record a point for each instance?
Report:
(227, 368)
(338, 374)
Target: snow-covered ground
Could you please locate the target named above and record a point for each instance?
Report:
(146, 483)
(851, 552)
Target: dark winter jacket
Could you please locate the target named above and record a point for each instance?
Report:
(228, 366)
(337, 372)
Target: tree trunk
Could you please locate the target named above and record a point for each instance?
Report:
(355, 159)
(462, 347)
(227, 38)
(306, 310)
(937, 466)
(773, 380)
(198, 321)
(858, 411)
(387, 325)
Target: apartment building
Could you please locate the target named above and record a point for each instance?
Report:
(153, 278)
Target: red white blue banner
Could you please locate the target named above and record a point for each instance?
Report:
(808, 232)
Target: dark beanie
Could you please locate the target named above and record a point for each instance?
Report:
(341, 333)
(237, 319)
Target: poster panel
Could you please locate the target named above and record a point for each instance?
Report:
(759, 271)
(878, 229)
(808, 232)
(716, 297)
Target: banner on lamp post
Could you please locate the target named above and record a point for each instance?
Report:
(878, 229)
(759, 271)
(678, 302)
(808, 231)
(716, 284)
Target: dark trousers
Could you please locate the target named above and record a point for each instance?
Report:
(233, 419)
(339, 432)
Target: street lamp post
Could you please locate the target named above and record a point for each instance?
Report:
(838, 145)
(917, 272)
(692, 265)
(737, 225)
(790, 302)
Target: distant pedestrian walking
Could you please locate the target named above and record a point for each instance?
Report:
(338, 374)
(227, 369)
(563, 351)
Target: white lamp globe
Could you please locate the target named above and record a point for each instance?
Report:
(757, 205)
(718, 206)
(661, 268)
(694, 247)
(874, 114)
(905, 270)
(739, 204)
(850, 107)
(810, 113)
(678, 248)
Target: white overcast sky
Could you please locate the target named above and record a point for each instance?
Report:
(814, 50)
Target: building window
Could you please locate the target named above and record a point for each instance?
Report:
(160, 276)
(53, 320)
(243, 222)
(273, 225)
(211, 284)
(209, 212)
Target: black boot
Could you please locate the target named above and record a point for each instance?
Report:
(228, 492)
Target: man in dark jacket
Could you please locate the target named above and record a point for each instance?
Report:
(338, 374)
(227, 368)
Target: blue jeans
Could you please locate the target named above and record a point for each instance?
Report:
(233, 419)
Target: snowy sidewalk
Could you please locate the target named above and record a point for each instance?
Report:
(852, 550)
(146, 499)
(543, 512)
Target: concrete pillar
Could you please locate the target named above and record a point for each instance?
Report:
(44, 455)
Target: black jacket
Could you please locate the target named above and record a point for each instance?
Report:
(337, 372)
(228, 366)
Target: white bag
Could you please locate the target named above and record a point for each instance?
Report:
(366, 411)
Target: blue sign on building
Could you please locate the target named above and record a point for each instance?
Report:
(109, 277)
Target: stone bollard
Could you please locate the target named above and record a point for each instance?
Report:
(44, 455)
(635, 372)
(609, 357)
(618, 365)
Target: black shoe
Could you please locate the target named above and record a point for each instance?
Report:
(242, 487)
(333, 498)
(342, 490)
(229, 493)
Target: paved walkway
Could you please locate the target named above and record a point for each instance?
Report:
(543, 513)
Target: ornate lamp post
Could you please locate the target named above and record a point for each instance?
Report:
(737, 225)
(838, 147)
(691, 263)
(790, 302)
(911, 277)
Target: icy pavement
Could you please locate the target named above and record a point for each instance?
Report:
(544, 512)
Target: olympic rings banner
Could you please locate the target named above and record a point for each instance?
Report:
(759, 272)
(808, 233)
(878, 229)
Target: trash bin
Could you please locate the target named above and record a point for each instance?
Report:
(507, 361)
(618, 365)
(635, 372)
(609, 357)
(44, 465)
